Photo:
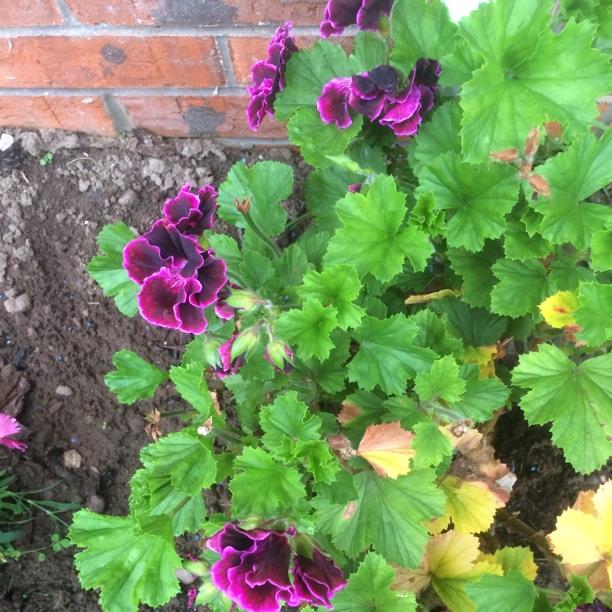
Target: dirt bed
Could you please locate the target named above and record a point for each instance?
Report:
(63, 333)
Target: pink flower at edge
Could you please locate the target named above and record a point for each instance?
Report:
(9, 426)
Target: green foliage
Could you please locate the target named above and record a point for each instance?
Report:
(191, 386)
(107, 268)
(500, 593)
(369, 588)
(441, 382)
(576, 398)
(134, 378)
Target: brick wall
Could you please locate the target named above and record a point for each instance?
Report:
(174, 67)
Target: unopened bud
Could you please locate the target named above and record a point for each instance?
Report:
(279, 355)
(197, 568)
(243, 206)
(243, 299)
(554, 129)
(506, 155)
(539, 184)
(245, 342)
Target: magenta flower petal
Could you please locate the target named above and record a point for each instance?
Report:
(403, 117)
(158, 297)
(9, 427)
(212, 276)
(339, 14)
(268, 76)
(333, 103)
(191, 318)
(316, 580)
(142, 259)
(368, 16)
(370, 90)
(191, 213)
(228, 366)
(182, 206)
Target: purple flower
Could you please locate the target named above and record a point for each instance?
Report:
(279, 355)
(190, 213)
(426, 74)
(596, 606)
(370, 90)
(340, 14)
(403, 116)
(222, 309)
(9, 426)
(333, 103)
(255, 566)
(316, 580)
(178, 278)
(268, 76)
(228, 366)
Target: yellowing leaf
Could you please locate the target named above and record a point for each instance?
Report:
(470, 505)
(519, 558)
(387, 448)
(453, 562)
(558, 309)
(483, 357)
(583, 537)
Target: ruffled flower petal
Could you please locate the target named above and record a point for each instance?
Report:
(160, 293)
(191, 213)
(142, 259)
(227, 365)
(340, 14)
(368, 16)
(316, 580)
(403, 117)
(9, 427)
(333, 103)
(212, 276)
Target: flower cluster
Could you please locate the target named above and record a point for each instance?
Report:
(178, 278)
(269, 76)
(340, 14)
(380, 95)
(9, 427)
(259, 571)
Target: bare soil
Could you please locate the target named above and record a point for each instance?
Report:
(49, 218)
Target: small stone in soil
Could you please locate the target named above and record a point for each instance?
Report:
(72, 460)
(19, 304)
(95, 503)
(63, 390)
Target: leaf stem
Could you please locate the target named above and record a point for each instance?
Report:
(269, 242)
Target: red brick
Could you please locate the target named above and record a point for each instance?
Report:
(245, 51)
(197, 12)
(116, 12)
(103, 61)
(24, 13)
(222, 116)
(59, 112)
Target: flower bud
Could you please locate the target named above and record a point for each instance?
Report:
(279, 355)
(245, 342)
(243, 299)
(243, 206)
(197, 568)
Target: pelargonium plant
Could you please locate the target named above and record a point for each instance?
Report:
(452, 260)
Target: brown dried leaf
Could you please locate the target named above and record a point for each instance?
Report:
(13, 388)
(554, 129)
(342, 445)
(348, 413)
(539, 184)
(387, 448)
(532, 143)
(505, 155)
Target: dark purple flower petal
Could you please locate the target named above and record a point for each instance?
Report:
(355, 187)
(158, 297)
(191, 213)
(339, 14)
(403, 117)
(191, 318)
(370, 90)
(182, 252)
(269, 76)
(212, 277)
(142, 259)
(333, 102)
(222, 309)
(368, 16)
(316, 580)
(228, 366)
(182, 206)
(427, 72)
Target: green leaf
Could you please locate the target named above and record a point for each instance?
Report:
(573, 176)
(291, 266)
(601, 250)
(420, 28)
(266, 184)
(518, 244)
(307, 71)
(567, 272)
(475, 270)
(336, 286)
(482, 397)
(430, 444)
(134, 378)
(225, 248)
(480, 195)
(369, 51)
(130, 565)
(310, 328)
(387, 355)
(576, 398)
(434, 334)
(108, 271)
(502, 593)
(580, 592)
(372, 238)
(331, 373)
(318, 140)
(388, 514)
(263, 486)
(191, 385)
(185, 458)
(594, 313)
(436, 137)
(370, 588)
(522, 286)
(524, 81)
(442, 381)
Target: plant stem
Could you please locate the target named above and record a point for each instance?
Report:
(269, 242)
(303, 217)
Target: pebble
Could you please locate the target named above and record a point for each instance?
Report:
(95, 503)
(6, 142)
(21, 303)
(72, 460)
(63, 390)
(128, 198)
(32, 143)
